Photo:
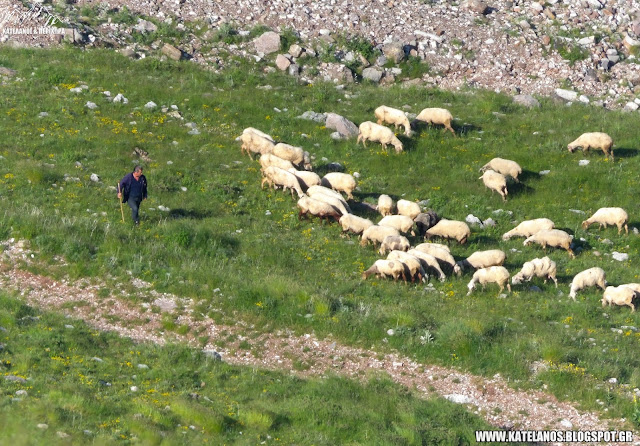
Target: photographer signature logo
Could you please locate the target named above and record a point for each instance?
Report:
(18, 21)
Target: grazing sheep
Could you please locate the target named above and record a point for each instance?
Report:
(544, 267)
(294, 154)
(333, 201)
(596, 140)
(529, 227)
(259, 133)
(503, 166)
(370, 131)
(306, 178)
(274, 176)
(454, 229)
(436, 116)
(317, 208)
(393, 116)
(408, 208)
(314, 191)
(430, 245)
(341, 182)
(353, 223)
(634, 286)
(480, 259)
(609, 216)
(385, 205)
(376, 234)
(401, 222)
(269, 159)
(495, 181)
(385, 268)
(552, 237)
(426, 220)
(394, 242)
(493, 274)
(620, 295)
(254, 143)
(589, 277)
(429, 262)
(441, 253)
(414, 269)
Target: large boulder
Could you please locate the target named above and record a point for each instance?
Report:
(341, 125)
(526, 100)
(267, 43)
(335, 72)
(372, 74)
(394, 51)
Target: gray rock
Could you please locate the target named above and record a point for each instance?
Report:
(631, 106)
(7, 72)
(489, 222)
(95, 178)
(295, 50)
(381, 60)
(337, 136)
(544, 172)
(91, 105)
(14, 378)
(458, 399)
(145, 26)
(294, 70)
(120, 98)
(150, 104)
(171, 51)
(42, 426)
(21, 393)
(372, 74)
(535, 289)
(282, 62)
(526, 100)
(341, 125)
(143, 366)
(212, 354)
(473, 220)
(619, 256)
(477, 6)
(267, 43)
(336, 72)
(128, 52)
(313, 116)
(394, 51)
(567, 95)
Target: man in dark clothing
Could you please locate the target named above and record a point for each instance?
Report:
(132, 190)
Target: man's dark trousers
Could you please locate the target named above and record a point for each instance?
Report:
(134, 204)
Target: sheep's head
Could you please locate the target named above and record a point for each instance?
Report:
(585, 224)
(471, 286)
(397, 145)
(457, 269)
(517, 279)
(571, 148)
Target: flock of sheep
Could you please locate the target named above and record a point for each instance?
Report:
(289, 167)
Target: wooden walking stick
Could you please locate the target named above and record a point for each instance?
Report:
(121, 210)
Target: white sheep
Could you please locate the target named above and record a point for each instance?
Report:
(634, 286)
(313, 191)
(385, 268)
(274, 176)
(620, 295)
(596, 140)
(254, 143)
(333, 201)
(589, 277)
(408, 208)
(317, 208)
(454, 229)
(544, 267)
(393, 116)
(609, 216)
(440, 252)
(376, 234)
(341, 182)
(402, 223)
(480, 259)
(394, 242)
(426, 220)
(493, 274)
(306, 178)
(269, 159)
(413, 265)
(370, 131)
(529, 227)
(353, 223)
(294, 154)
(259, 133)
(437, 116)
(503, 166)
(429, 262)
(552, 237)
(385, 205)
(495, 181)
(430, 245)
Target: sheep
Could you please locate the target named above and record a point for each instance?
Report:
(317, 208)
(480, 259)
(394, 242)
(314, 191)
(269, 159)
(341, 182)
(493, 274)
(385, 268)
(441, 253)
(495, 181)
(376, 234)
(408, 208)
(430, 245)
(393, 116)
(401, 222)
(425, 220)
(504, 167)
(620, 295)
(429, 262)
(274, 176)
(254, 143)
(544, 267)
(454, 229)
(413, 265)
(596, 140)
(373, 132)
(589, 277)
(294, 154)
(634, 286)
(259, 133)
(436, 116)
(333, 201)
(529, 227)
(385, 205)
(306, 178)
(353, 223)
(609, 216)
(552, 237)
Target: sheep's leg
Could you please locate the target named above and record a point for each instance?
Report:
(448, 127)
(633, 308)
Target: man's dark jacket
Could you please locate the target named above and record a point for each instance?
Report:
(125, 186)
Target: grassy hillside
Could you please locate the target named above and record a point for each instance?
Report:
(272, 270)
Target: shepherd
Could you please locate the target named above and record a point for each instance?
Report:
(133, 189)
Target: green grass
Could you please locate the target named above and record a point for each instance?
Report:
(98, 388)
(217, 234)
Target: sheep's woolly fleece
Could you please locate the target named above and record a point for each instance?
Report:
(280, 349)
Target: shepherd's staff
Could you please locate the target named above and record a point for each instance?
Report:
(121, 210)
